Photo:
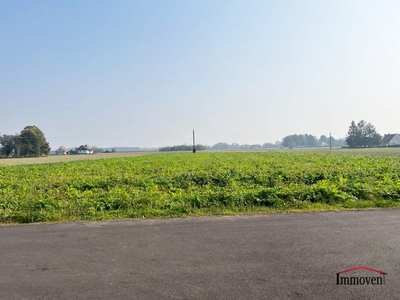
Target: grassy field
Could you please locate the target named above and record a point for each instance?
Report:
(172, 185)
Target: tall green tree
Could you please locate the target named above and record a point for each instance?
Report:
(33, 142)
(353, 137)
(289, 141)
(323, 140)
(372, 138)
(10, 145)
(311, 140)
(299, 140)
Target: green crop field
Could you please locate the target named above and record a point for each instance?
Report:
(171, 185)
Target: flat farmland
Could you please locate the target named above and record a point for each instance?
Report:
(67, 158)
(209, 183)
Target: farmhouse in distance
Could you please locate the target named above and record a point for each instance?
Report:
(85, 149)
(62, 150)
(391, 140)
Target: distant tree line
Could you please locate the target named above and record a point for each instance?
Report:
(222, 146)
(182, 148)
(31, 142)
(308, 140)
(235, 146)
(98, 150)
(290, 141)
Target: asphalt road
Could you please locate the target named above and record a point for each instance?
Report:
(282, 256)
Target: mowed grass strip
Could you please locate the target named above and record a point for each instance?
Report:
(173, 185)
(68, 158)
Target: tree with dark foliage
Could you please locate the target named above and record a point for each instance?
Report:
(362, 134)
(30, 143)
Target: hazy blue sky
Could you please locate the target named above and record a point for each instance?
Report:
(145, 73)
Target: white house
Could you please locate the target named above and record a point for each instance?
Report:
(391, 140)
(85, 149)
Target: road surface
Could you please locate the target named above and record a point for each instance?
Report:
(281, 256)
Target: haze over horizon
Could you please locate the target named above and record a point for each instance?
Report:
(145, 73)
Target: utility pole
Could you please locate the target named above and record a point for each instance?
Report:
(194, 145)
(330, 141)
